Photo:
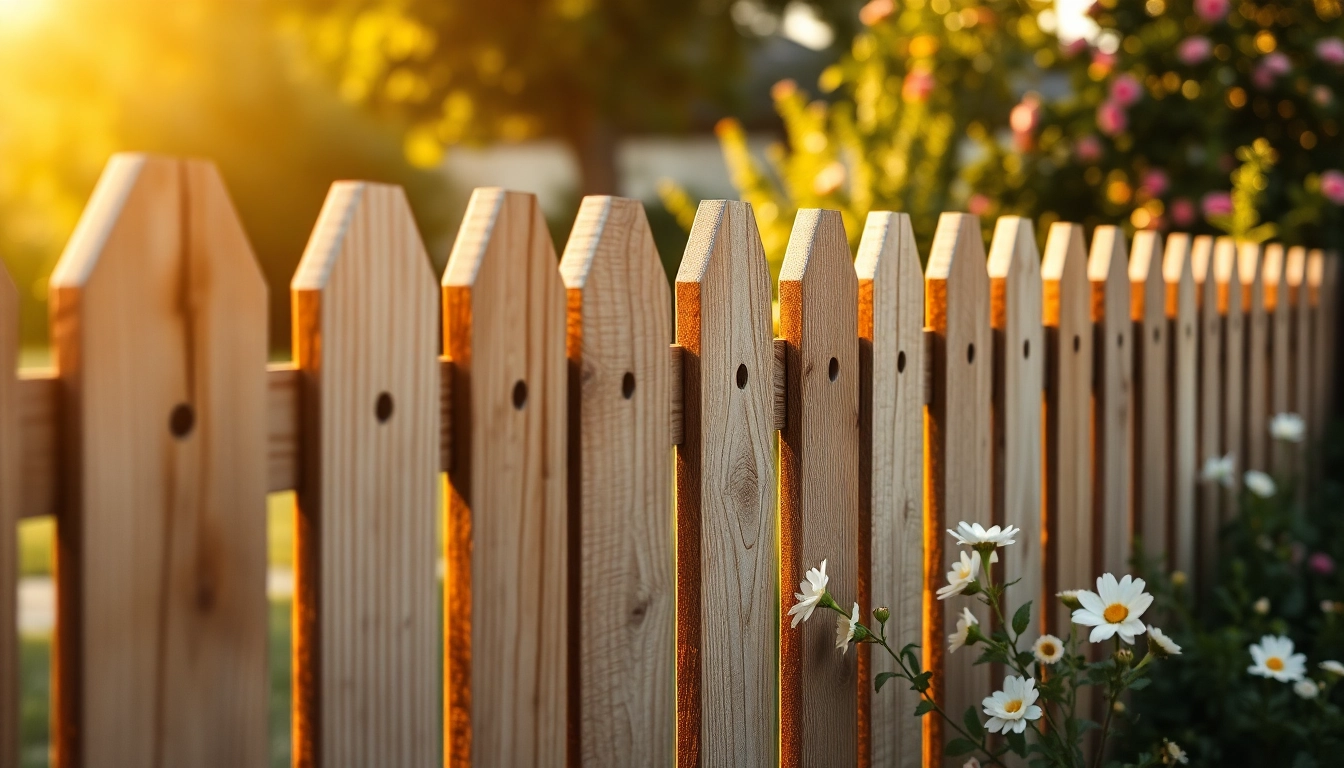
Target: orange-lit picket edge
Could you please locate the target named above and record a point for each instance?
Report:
(592, 615)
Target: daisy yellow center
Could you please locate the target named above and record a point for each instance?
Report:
(1115, 613)
(963, 571)
(1274, 663)
(1047, 649)
(1013, 706)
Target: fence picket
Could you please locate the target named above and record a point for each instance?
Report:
(1019, 371)
(891, 471)
(366, 520)
(1251, 452)
(1208, 375)
(1182, 315)
(623, 608)
(1107, 271)
(726, 569)
(1299, 350)
(9, 519)
(1278, 310)
(1330, 305)
(159, 332)
(504, 330)
(1151, 405)
(1070, 557)
(1232, 379)
(1321, 331)
(818, 306)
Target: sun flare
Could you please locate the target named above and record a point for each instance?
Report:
(19, 15)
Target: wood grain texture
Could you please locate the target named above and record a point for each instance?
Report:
(891, 476)
(1232, 379)
(675, 400)
(10, 496)
(957, 477)
(1279, 311)
(1070, 559)
(728, 597)
(1183, 423)
(504, 330)
(1152, 430)
(819, 486)
(1208, 374)
(1252, 450)
(623, 605)
(1107, 271)
(159, 331)
(366, 623)
(1019, 371)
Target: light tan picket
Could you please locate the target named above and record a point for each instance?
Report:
(957, 460)
(1232, 378)
(1148, 296)
(1019, 371)
(1208, 444)
(1278, 309)
(1182, 316)
(1107, 271)
(160, 347)
(1321, 330)
(620, 487)
(1069, 520)
(727, 596)
(366, 618)
(1330, 310)
(9, 519)
(891, 472)
(1299, 348)
(1252, 449)
(505, 605)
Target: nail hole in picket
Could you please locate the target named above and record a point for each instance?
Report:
(181, 421)
(1077, 343)
(833, 370)
(900, 362)
(520, 394)
(742, 376)
(382, 408)
(1188, 329)
(970, 353)
(1026, 349)
(628, 385)
(1119, 339)
(1157, 335)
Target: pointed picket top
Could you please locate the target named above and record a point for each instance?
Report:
(1107, 270)
(1148, 297)
(1251, 452)
(1183, 316)
(9, 518)
(891, 465)
(1315, 275)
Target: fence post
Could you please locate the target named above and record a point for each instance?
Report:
(623, 603)
(1070, 556)
(1256, 421)
(1182, 422)
(159, 330)
(1232, 379)
(891, 471)
(1299, 356)
(1019, 372)
(1321, 333)
(1330, 307)
(819, 461)
(1209, 373)
(9, 520)
(1277, 309)
(1152, 430)
(957, 463)
(1107, 270)
(505, 606)
(366, 623)
(726, 570)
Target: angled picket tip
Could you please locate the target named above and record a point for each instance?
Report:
(1013, 248)
(367, 226)
(1178, 271)
(1064, 263)
(888, 243)
(614, 229)
(1108, 260)
(1227, 274)
(1315, 275)
(1275, 279)
(1201, 267)
(958, 250)
(818, 248)
(1147, 289)
(1295, 272)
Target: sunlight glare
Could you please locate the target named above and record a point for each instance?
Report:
(21, 15)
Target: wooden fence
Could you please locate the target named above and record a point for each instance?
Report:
(603, 604)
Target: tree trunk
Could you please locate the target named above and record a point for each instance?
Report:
(593, 139)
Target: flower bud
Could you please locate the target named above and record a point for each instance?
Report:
(972, 589)
(882, 614)
(1069, 598)
(1178, 578)
(1123, 657)
(1261, 606)
(861, 634)
(1118, 707)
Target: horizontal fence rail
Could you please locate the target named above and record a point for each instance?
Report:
(637, 473)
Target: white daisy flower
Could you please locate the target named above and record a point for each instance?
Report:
(1161, 644)
(1288, 427)
(845, 628)
(1047, 649)
(1306, 689)
(1011, 708)
(964, 621)
(809, 594)
(1261, 485)
(1333, 667)
(1329, 606)
(1274, 657)
(1069, 598)
(1222, 471)
(1173, 754)
(1114, 608)
(970, 535)
(1261, 606)
(974, 762)
(961, 575)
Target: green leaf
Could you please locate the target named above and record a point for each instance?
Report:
(1022, 618)
(924, 708)
(960, 747)
(1140, 684)
(921, 682)
(971, 720)
(881, 680)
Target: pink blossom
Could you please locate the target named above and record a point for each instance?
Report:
(1194, 50)
(1212, 11)
(1330, 50)
(978, 204)
(1089, 149)
(1105, 61)
(1321, 563)
(1125, 90)
(1073, 48)
(1217, 204)
(918, 85)
(1332, 186)
(1277, 63)
(1111, 118)
(1182, 212)
(1155, 182)
(1262, 78)
(876, 11)
(1024, 119)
